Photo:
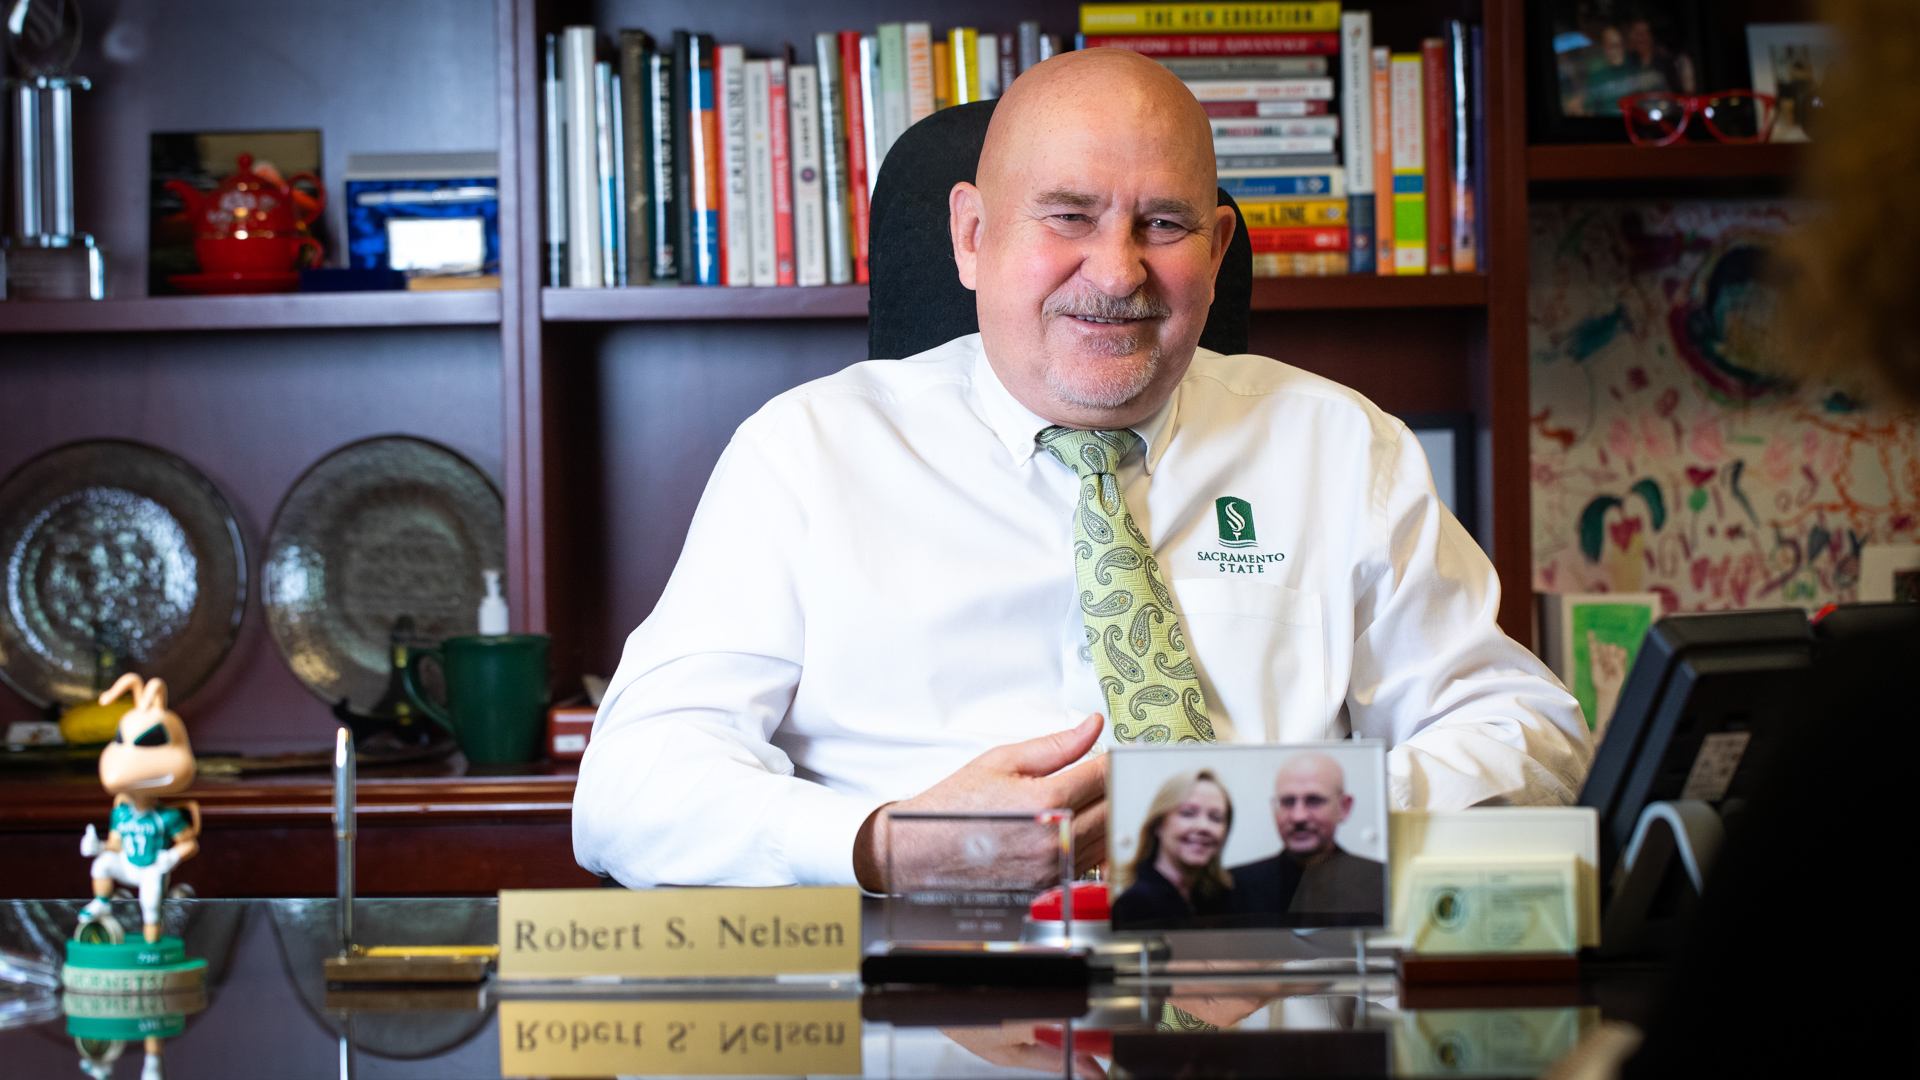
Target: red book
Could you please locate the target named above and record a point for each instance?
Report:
(1436, 96)
(1295, 238)
(1223, 44)
(856, 150)
(782, 172)
(1231, 109)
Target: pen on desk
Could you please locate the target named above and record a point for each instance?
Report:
(343, 830)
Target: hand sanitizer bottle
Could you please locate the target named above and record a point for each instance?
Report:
(493, 609)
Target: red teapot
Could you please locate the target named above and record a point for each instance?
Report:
(253, 222)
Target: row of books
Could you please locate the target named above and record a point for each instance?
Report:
(691, 163)
(1344, 157)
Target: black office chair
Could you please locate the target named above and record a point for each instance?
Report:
(918, 301)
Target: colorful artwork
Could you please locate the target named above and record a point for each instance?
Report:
(1666, 458)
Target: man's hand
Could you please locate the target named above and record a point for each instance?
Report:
(1019, 776)
(90, 844)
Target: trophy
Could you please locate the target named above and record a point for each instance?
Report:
(43, 258)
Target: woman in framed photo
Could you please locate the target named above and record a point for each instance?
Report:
(1177, 874)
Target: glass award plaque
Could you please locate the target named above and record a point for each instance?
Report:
(967, 879)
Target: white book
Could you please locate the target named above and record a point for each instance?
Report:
(608, 165)
(1356, 104)
(1263, 90)
(919, 71)
(584, 266)
(870, 118)
(1302, 127)
(809, 203)
(988, 66)
(1285, 108)
(892, 61)
(736, 209)
(1231, 145)
(760, 172)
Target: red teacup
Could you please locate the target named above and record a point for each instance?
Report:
(256, 254)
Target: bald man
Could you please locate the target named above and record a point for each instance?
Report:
(1313, 881)
(926, 583)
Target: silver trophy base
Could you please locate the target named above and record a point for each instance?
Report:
(52, 268)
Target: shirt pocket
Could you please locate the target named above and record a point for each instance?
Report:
(1262, 656)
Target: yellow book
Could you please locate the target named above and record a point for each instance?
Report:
(1289, 213)
(963, 58)
(942, 76)
(1409, 166)
(1287, 18)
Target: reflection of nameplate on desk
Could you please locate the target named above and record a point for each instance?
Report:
(678, 933)
(733, 1037)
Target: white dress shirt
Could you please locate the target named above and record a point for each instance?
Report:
(879, 586)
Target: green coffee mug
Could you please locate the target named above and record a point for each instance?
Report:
(496, 694)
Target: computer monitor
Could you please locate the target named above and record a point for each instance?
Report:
(1706, 700)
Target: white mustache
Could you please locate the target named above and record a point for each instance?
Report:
(1098, 305)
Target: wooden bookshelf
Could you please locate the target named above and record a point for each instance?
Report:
(669, 303)
(1682, 161)
(279, 311)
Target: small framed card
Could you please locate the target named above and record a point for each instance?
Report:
(1789, 63)
(1889, 572)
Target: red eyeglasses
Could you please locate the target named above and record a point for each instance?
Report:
(1660, 118)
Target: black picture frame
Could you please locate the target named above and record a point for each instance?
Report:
(1457, 478)
(1584, 54)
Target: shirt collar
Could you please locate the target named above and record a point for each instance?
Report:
(1016, 425)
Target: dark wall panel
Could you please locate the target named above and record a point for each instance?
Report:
(251, 411)
(669, 396)
(1404, 360)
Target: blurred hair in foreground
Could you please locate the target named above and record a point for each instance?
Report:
(1853, 308)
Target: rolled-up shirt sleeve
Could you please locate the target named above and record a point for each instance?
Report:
(1473, 718)
(680, 784)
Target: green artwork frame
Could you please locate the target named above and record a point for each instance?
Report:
(1621, 625)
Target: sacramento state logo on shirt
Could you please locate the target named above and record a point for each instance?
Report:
(1236, 521)
(1235, 518)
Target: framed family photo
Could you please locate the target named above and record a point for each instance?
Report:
(1231, 836)
(1585, 55)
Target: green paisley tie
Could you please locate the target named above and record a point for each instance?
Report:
(1133, 629)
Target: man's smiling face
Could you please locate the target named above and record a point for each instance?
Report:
(1092, 239)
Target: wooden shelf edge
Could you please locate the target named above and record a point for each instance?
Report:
(1369, 291)
(1622, 161)
(659, 303)
(37, 806)
(477, 307)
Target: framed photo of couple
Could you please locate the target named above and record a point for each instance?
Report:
(1228, 836)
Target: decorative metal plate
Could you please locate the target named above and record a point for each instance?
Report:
(116, 546)
(376, 530)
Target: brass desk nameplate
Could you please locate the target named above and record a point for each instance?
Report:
(550, 934)
(796, 1037)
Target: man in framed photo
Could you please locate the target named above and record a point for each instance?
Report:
(1312, 877)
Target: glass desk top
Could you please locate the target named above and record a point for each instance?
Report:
(267, 1011)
